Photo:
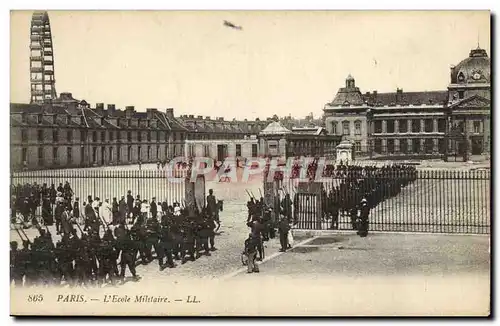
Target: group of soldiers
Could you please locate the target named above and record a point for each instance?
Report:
(92, 254)
(362, 188)
(25, 199)
(263, 226)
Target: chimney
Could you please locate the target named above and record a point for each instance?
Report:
(170, 113)
(367, 93)
(221, 118)
(111, 109)
(207, 118)
(375, 94)
(245, 120)
(200, 117)
(99, 106)
(151, 113)
(129, 111)
(191, 116)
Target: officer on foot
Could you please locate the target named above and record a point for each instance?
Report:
(251, 245)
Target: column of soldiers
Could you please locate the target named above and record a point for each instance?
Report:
(263, 226)
(100, 252)
(362, 188)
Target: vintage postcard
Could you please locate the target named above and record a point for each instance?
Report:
(250, 163)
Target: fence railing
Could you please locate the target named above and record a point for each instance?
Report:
(164, 185)
(417, 201)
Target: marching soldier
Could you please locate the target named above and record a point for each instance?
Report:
(363, 219)
(251, 245)
(283, 229)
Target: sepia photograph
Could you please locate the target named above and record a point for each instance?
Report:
(250, 163)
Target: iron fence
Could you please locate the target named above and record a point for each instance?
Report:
(164, 185)
(440, 201)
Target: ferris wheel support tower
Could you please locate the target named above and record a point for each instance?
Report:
(42, 78)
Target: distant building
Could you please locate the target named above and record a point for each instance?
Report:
(432, 124)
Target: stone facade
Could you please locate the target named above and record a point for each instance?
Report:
(452, 122)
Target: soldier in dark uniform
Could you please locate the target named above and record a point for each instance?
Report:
(251, 245)
(189, 241)
(204, 229)
(153, 232)
(165, 245)
(251, 209)
(76, 209)
(128, 253)
(257, 228)
(283, 229)
(47, 215)
(16, 264)
(363, 219)
(213, 207)
(138, 234)
(153, 208)
(130, 203)
(286, 207)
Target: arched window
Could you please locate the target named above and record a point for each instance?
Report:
(357, 127)
(346, 131)
(334, 127)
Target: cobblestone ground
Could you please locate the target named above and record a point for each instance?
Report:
(384, 254)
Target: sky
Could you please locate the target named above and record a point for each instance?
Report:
(281, 62)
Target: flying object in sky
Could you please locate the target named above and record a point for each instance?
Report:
(231, 25)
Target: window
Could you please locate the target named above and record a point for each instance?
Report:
(103, 136)
(378, 126)
(429, 145)
(477, 127)
(238, 150)
(94, 154)
(118, 154)
(460, 95)
(129, 153)
(390, 126)
(24, 136)
(111, 135)
(415, 125)
(403, 126)
(254, 150)
(378, 146)
(416, 146)
(139, 152)
(357, 127)
(82, 155)
(69, 155)
(139, 136)
(157, 152)
(94, 136)
(174, 136)
(69, 135)
(442, 145)
(157, 136)
(334, 127)
(24, 156)
(40, 156)
(166, 136)
(403, 146)
(149, 135)
(206, 150)
(110, 156)
(429, 125)
(54, 156)
(129, 136)
(55, 135)
(83, 135)
(441, 125)
(182, 137)
(149, 153)
(357, 146)
(390, 146)
(345, 128)
(39, 119)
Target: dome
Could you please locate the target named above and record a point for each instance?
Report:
(275, 128)
(474, 69)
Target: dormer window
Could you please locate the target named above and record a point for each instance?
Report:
(460, 95)
(39, 119)
(461, 77)
(23, 118)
